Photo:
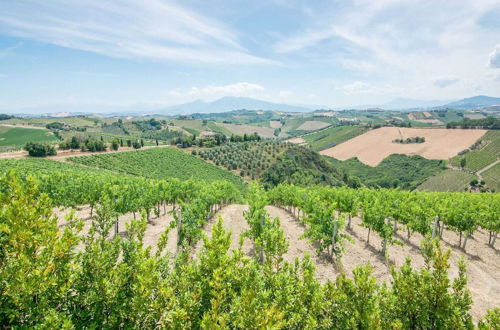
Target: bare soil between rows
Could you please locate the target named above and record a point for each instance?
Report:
(483, 261)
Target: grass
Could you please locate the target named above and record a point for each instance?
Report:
(492, 177)
(160, 163)
(18, 136)
(332, 136)
(448, 180)
(406, 172)
(486, 154)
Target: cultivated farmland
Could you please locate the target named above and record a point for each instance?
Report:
(265, 132)
(372, 147)
(159, 163)
(312, 125)
(19, 136)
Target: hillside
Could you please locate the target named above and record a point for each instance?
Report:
(17, 137)
(303, 167)
(485, 152)
(159, 163)
(395, 171)
(332, 136)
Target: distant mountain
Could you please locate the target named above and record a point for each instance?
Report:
(475, 102)
(230, 103)
(403, 103)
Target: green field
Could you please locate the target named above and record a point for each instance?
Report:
(486, 154)
(332, 136)
(159, 163)
(448, 180)
(395, 171)
(72, 121)
(48, 167)
(18, 136)
(492, 177)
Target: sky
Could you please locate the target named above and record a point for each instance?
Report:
(153, 53)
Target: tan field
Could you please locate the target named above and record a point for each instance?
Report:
(275, 124)
(297, 140)
(375, 145)
(312, 125)
(266, 132)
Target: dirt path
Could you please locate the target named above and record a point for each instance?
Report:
(479, 172)
(483, 261)
(233, 220)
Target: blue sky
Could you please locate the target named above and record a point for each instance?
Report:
(152, 53)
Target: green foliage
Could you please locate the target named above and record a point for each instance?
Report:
(301, 166)
(486, 123)
(117, 283)
(395, 171)
(332, 136)
(486, 151)
(159, 163)
(251, 158)
(447, 180)
(18, 137)
(35, 149)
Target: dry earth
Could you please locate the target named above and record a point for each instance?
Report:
(375, 145)
(483, 261)
(312, 125)
(297, 140)
(275, 124)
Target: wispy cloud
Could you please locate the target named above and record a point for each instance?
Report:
(3, 75)
(495, 58)
(9, 50)
(443, 82)
(151, 29)
(237, 89)
(359, 87)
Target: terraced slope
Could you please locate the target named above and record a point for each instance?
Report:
(159, 163)
(485, 154)
(448, 180)
(332, 136)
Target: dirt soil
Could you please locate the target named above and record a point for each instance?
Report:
(375, 145)
(483, 261)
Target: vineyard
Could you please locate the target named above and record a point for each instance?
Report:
(159, 163)
(248, 159)
(115, 279)
(485, 153)
(332, 136)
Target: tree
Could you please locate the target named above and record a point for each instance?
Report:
(142, 143)
(463, 162)
(136, 144)
(129, 143)
(115, 144)
(36, 149)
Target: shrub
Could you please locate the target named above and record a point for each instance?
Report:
(35, 149)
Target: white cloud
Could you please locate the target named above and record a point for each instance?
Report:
(495, 58)
(443, 82)
(285, 94)
(237, 89)
(151, 29)
(359, 87)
